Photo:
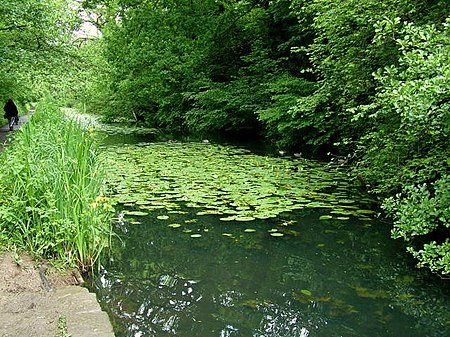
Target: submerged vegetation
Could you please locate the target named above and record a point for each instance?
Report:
(52, 201)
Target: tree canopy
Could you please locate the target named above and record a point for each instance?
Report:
(35, 46)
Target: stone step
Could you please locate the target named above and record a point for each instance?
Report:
(84, 317)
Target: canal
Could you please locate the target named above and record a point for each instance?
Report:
(217, 240)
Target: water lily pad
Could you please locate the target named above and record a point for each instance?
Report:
(174, 225)
(136, 213)
(229, 218)
(244, 218)
(196, 235)
(365, 211)
(143, 202)
(326, 217)
(277, 234)
(250, 230)
(162, 217)
(306, 292)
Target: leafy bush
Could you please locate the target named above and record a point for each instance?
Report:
(51, 200)
(407, 151)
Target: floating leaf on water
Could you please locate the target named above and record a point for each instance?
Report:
(229, 218)
(320, 245)
(326, 217)
(250, 230)
(136, 213)
(162, 217)
(365, 211)
(229, 211)
(174, 225)
(341, 212)
(276, 234)
(191, 221)
(126, 201)
(244, 218)
(263, 216)
(350, 207)
(306, 292)
(143, 202)
(228, 234)
(273, 230)
(344, 218)
(242, 208)
(209, 212)
(196, 235)
(297, 206)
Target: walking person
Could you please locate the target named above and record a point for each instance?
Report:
(11, 112)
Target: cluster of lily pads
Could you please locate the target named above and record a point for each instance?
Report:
(226, 181)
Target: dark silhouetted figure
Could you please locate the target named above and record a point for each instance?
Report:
(11, 112)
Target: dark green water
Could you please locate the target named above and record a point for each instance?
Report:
(324, 278)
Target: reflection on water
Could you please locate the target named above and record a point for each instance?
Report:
(334, 279)
(325, 277)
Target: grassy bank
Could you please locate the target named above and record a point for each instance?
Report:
(51, 200)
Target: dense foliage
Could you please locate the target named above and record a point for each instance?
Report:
(35, 47)
(51, 198)
(365, 81)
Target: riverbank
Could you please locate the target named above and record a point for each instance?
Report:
(38, 301)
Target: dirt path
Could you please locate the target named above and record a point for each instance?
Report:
(4, 130)
(37, 301)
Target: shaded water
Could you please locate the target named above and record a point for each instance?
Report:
(325, 277)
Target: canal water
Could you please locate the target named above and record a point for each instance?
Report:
(219, 241)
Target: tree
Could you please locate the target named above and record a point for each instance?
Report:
(35, 39)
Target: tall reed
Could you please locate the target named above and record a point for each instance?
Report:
(51, 198)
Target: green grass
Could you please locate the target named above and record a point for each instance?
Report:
(62, 327)
(51, 199)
